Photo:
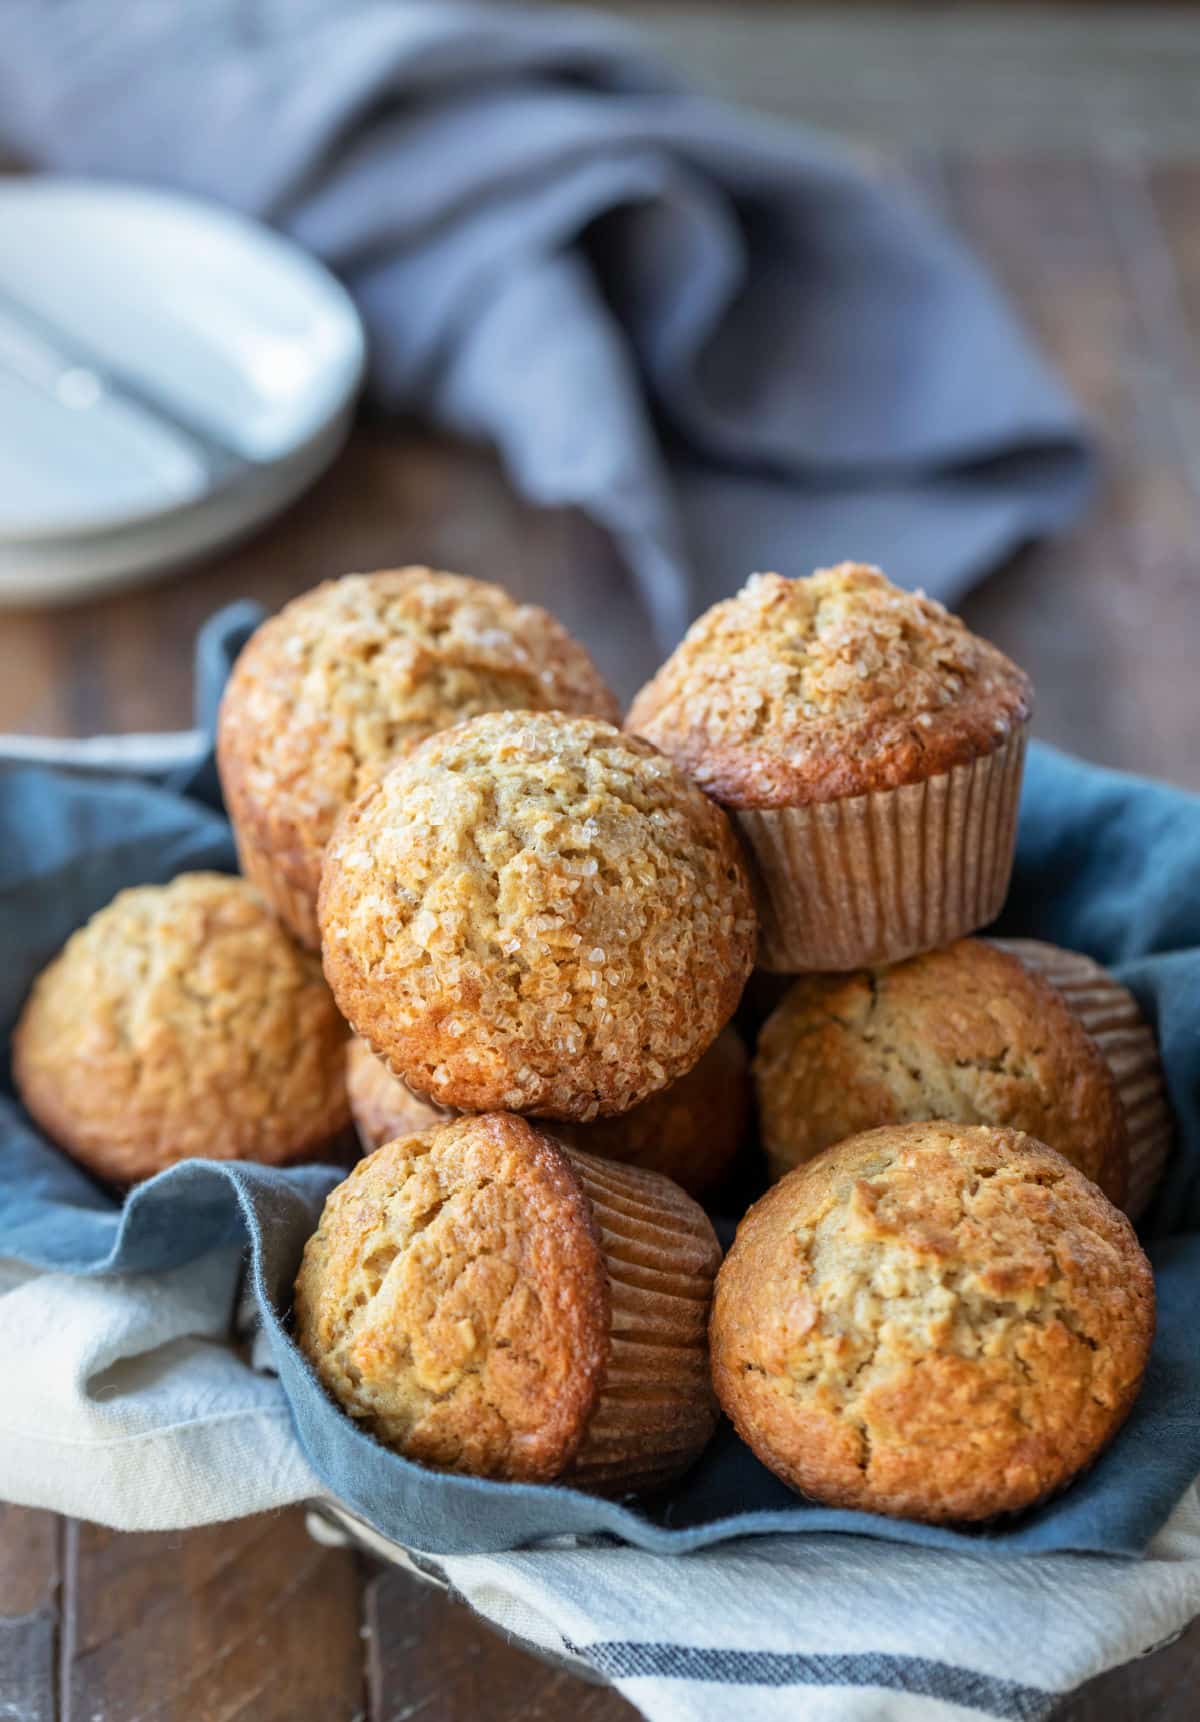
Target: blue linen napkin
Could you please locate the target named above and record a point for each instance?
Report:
(1105, 863)
(727, 340)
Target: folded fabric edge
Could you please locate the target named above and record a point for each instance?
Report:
(210, 1471)
(511, 1596)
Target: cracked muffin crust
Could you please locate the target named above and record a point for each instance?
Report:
(869, 749)
(690, 1132)
(329, 692)
(182, 1021)
(799, 691)
(485, 1300)
(932, 1321)
(536, 913)
(966, 1034)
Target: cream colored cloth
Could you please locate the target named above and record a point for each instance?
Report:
(125, 1404)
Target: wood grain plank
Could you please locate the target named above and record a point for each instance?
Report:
(1156, 1688)
(243, 1622)
(123, 662)
(29, 1577)
(431, 1658)
(1030, 78)
(1102, 619)
(1173, 189)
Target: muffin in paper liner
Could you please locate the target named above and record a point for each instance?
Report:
(965, 1034)
(868, 747)
(1110, 1014)
(691, 1131)
(875, 878)
(487, 1301)
(656, 1410)
(381, 1106)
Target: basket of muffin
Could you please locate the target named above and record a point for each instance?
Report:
(524, 949)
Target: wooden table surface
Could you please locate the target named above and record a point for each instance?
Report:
(254, 1621)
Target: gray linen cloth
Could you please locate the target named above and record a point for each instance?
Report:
(727, 340)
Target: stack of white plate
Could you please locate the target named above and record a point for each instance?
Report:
(170, 376)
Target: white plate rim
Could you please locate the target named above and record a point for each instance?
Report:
(266, 487)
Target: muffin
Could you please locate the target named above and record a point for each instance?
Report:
(484, 1300)
(1110, 1014)
(966, 1034)
(381, 1106)
(933, 1321)
(345, 678)
(182, 1021)
(869, 749)
(690, 1132)
(536, 913)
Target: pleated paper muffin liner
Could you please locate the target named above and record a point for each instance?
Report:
(875, 878)
(296, 909)
(1109, 1012)
(656, 1411)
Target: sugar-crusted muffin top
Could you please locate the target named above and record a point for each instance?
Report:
(965, 1034)
(938, 1321)
(538, 913)
(328, 692)
(454, 1299)
(799, 691)
(180, 1021)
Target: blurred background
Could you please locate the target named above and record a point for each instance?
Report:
(1063, 141)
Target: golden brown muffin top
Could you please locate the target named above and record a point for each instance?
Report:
(690, 1131)
(328, 692)
(798, 691)
(537, 913)
(181, 1021)
(934, 1321)
(965, 1033)
(454, 1299)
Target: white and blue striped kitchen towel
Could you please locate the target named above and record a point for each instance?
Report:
(833, 1629)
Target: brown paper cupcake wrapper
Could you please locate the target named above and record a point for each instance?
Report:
(656, 1411)
(876, 878)
(1109, 1012)
(296, 909)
